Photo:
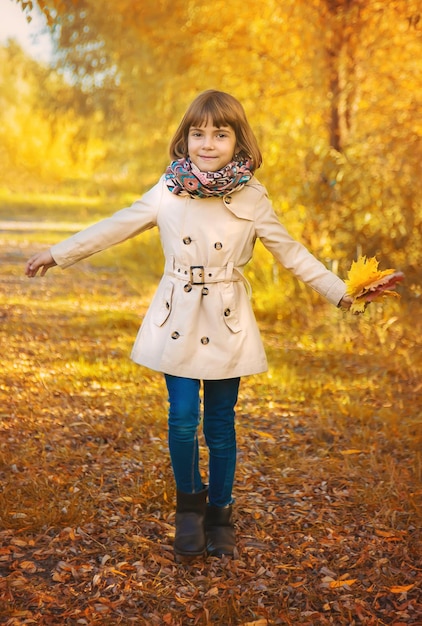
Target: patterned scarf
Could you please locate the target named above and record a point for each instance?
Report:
(185, 179)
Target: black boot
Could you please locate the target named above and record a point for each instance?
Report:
(219, 530)
(190, 513)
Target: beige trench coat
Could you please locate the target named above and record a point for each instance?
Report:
(200, 323)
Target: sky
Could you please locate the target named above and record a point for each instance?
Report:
(13, 25)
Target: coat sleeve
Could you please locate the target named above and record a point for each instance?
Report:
(126, 223)
(293, 255)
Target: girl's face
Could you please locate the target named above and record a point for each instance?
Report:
(211, 148)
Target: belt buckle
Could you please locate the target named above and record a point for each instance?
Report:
(197, 277)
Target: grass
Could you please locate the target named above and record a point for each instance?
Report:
(56, 208)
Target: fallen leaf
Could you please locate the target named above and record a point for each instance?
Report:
(336, 584)
(212, 592)
(352, 451)
(28, 566)
(389, 534)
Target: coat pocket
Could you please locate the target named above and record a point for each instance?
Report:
(230, 310)
(164, 308)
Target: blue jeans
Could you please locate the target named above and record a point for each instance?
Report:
(220, 397)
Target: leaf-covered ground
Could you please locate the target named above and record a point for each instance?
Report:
(328, 486)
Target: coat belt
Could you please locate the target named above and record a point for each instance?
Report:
(202, 275)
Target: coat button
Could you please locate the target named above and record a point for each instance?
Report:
(227, 199)
(204, 291)
(187, 240)
(188, 288)
(227, 312)
(175, 335)
(167, 305)
(218, 245)
(204, 340)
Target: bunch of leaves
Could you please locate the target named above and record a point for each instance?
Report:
(366, 283)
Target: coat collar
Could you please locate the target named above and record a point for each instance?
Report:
(243, 203)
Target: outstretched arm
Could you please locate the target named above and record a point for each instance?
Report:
(43, 260)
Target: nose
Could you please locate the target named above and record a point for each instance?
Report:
(208, 142)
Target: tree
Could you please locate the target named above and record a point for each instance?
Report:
(40, 141)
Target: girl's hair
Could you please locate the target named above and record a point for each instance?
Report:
(221, 109)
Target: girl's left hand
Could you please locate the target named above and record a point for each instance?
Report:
(346, 302)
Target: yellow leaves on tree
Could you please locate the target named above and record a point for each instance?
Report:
(366, 283)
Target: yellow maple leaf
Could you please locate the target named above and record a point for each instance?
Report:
(366, 283)
(362, 274)
(358, 306)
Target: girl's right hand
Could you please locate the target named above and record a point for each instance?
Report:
(42, 260)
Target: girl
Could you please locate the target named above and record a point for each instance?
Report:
(209, 209)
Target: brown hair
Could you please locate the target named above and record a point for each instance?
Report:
(223, 110)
